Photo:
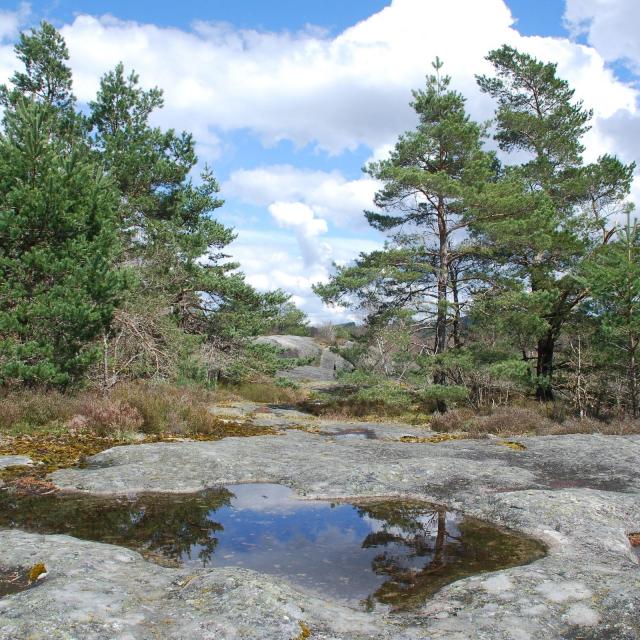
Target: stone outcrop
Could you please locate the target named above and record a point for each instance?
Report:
(578, 493)
(324, 365)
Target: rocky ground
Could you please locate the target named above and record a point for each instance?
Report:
(323, 364)
(578, 493)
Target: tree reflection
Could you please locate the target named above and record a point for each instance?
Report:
(419, 555)
(166, 528)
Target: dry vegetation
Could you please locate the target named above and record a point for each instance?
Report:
(59, 430)
(525, 420)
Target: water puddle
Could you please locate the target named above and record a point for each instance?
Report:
(390, 553)
(355, 433)
(14, 581)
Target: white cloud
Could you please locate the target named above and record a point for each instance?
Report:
(350, 90)
(611, 27)
(337, 93)
(11, 21)
(10, 24)
(274, 261)
(302, 219)
(328, 194)
(342, 92)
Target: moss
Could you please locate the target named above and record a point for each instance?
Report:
(9, 474)
(37, 571)
(61, 448)
(438, 437)
(516, 446)
(51, 451)
(305, 631)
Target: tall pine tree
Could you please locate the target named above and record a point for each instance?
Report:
(186, 298)
(58, 237)
(558, 210)
(431, 179)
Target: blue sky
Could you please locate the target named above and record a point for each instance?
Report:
(289, 99)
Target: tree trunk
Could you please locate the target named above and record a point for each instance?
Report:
(105, 363)
(633, 391)
(544, 367)
(456, 307)
(443, 279)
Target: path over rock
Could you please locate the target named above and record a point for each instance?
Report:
(325, 363)
(581, 494)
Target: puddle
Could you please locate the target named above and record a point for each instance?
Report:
(351, 434)
(14, 581)
(393, 554)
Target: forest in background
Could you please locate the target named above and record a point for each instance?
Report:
(506, 277)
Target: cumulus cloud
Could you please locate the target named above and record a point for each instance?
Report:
(334, 92)
(11, 21)
(329, 194)
(271, 262)
(302, 219)
(342, 92)
(610, 26)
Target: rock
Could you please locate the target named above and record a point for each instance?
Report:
(97, 591)
(293, 346)
(326, 363)
(585, 587)
(15, 461)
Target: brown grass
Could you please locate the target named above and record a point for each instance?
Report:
(525, 420)
(57, 430)
(266, 392)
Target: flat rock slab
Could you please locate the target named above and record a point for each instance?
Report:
(15, 461)
(581, 494)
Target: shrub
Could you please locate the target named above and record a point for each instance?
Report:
(509, 421)
(453, 420)
(153, 404)
(268, 392)
(106, 416)
(449, 394)
(28, 409)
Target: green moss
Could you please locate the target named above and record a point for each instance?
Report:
(439, 437)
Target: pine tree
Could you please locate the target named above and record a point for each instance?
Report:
(557, 210)
(431, 180)
(57, 243)
(613, 279)
(58, 237)
(185, 292)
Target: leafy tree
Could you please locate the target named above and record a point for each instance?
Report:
(57, 243)
(554, 209)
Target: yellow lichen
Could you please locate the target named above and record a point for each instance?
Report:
(516, 446)
(36, 572)
(438, 437)
(305, 631)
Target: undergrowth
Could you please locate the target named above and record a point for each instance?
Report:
(60, 430)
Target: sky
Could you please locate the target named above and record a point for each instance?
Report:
(289, 99)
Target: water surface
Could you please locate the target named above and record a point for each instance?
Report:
(392, 553)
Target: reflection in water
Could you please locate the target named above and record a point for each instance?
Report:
(13, 581)
(394, 553)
